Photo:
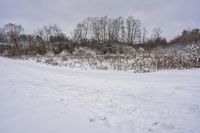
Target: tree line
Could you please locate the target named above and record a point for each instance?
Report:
(110, 30)
(91, 31)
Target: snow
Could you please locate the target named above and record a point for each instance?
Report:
(39, 98)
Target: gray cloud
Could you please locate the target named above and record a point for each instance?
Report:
(171, 15)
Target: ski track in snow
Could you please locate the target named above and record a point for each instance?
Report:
(42, 98)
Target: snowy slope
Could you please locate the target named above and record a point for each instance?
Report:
(38, 98)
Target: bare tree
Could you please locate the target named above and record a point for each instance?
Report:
(47, 31)
(110, 30)
(133, 27)
(104, 29)
(3, 37)
(85, 30)
(77, 33)
(14, 31)
(81, 31)
(122, 33)
(31, 42)
(103, 22)
(144, 35)
(156, 33)
(116, 28)
(95, 27)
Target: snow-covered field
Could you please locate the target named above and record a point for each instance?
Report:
(39, 98)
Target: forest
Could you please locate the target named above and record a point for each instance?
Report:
(122, 43)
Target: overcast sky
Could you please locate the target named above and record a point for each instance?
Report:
(172, 16)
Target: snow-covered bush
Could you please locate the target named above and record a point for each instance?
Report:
(84, 51)
(140, 60)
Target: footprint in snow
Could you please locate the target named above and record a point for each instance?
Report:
(92, 120)
(155, 123)
(60, 100)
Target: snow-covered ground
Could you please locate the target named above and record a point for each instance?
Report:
(39, 98)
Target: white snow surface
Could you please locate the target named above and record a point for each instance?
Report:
(39, 98)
